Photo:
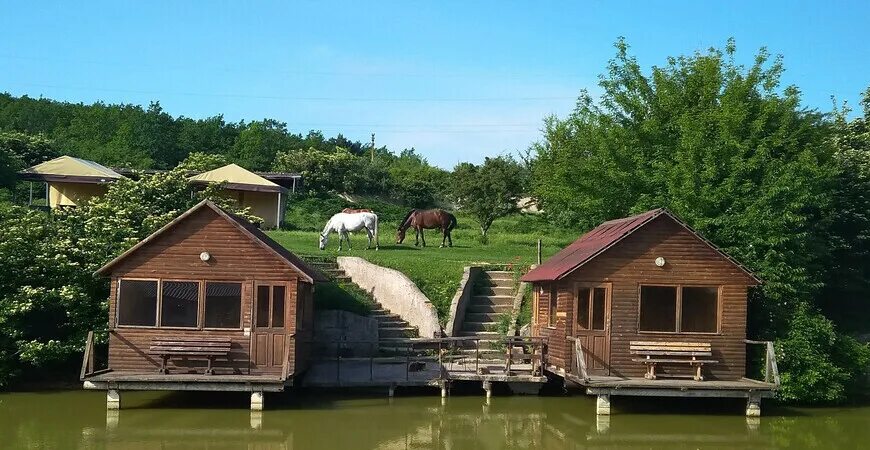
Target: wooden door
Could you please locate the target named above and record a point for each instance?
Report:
(592, 326)
(270, 326)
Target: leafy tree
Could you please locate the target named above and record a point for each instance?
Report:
(202, 162)
(258, 143)
(488, 191)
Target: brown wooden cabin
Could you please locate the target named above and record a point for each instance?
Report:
(646, 278)
(209, 276)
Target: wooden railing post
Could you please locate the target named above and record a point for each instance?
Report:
(88, 357)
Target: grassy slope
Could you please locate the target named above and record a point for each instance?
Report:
(437, 271)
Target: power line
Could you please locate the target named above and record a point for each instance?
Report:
(310, 99)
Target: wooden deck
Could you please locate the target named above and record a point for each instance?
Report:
(742, 388)
(151, 381)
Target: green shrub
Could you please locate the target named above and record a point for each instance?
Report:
(819, 365)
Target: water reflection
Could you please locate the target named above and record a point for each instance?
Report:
(314, 420)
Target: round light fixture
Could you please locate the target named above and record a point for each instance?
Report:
(660, 261)
(204, 256)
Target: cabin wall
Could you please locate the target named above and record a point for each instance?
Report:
(175, 255)
(630, 264)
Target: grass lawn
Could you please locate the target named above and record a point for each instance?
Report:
(437, 271)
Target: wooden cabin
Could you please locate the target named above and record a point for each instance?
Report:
(208, 302)
(70, 181)
(265, 199)
(639, 302)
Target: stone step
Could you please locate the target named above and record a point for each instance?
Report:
(483, 335)
(482, 316)
(494, 290)
(499, 275)
(377, 311)
(394, 323)
(342, 279)
(479, 326)
(397, 332)
(385, 316)
(492, 300)
(488, 308)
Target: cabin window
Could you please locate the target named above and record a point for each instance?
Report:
(223, 305)
(270, 306)
(679, 309)
(137, 302)
(583, 308)
(179, 303)
(552, 303)
(700, 307)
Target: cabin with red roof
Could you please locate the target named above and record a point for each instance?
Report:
(208, 302)
(640, 302)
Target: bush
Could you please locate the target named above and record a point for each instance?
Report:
(819, 365)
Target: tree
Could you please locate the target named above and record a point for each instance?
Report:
(203, 162)
(258, 143)
(488, 191)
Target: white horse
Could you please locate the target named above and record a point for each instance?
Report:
(344, 223)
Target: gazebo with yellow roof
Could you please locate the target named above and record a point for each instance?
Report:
(265, 198)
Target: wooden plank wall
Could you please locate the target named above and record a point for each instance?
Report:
(630, 264)
(175, 255)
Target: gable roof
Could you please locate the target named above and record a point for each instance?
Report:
(68, 168)
(253, 233)
(605, 236)
(237, 178)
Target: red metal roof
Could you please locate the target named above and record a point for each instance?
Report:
(602, 238)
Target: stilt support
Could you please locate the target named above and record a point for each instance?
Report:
(391, 391)
(113, 399)
(257, 401)
(444, 387)
(487, 386)
(753, 405)
(602, 405)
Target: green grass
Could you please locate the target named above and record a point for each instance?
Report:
(437, 271)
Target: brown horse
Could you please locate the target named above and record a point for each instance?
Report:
(355, 211)
(427, 219)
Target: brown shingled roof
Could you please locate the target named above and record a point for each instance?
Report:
(601, 238)
(308, 273)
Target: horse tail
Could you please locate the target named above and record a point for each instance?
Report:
(405, 220)
(452, 223)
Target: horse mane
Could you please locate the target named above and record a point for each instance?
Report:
(405, 220)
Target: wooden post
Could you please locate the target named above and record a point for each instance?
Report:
(373, 148)
(539, 251)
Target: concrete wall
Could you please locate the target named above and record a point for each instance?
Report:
(358, 334)
(461, 299)
(395, 292)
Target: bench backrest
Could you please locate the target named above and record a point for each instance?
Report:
(670, 348)
(187, 345)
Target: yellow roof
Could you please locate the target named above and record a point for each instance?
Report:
(74, 167)
(234, 174)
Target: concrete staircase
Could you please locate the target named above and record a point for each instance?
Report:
(389, 325)
(493, 298)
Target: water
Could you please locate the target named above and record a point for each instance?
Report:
(314, 420)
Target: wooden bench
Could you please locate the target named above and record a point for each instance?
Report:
(199, 347)
(696, 354)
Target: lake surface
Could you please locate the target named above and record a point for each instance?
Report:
(317, 420)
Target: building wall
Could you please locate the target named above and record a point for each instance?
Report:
(72, 194)
(630, 264)
(262, 204)
(175, 255)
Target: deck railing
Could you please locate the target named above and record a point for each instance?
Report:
(89, 358)
(577, 363)
(771, 370)
(451, 355)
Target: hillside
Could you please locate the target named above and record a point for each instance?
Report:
(437, 271)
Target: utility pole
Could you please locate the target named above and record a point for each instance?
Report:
(373, 148)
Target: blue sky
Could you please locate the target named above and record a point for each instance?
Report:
(457, 80)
